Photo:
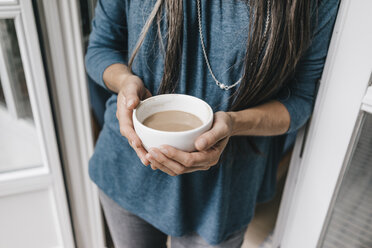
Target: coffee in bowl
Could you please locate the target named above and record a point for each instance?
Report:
(172, 119)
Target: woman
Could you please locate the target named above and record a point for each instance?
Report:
(255, 62)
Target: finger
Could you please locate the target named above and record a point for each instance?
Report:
(155, 165)
(124, 116)
(147, 94)
(218, 131)
(131, 95)
(141, 153)
(220, 145)
(176, 167)
(126, 126)
(199, 168)
(190, 159)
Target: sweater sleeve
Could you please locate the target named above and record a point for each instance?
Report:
(298, 97)
(108, 39)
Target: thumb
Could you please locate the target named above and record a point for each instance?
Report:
(131, 95)
(220, 130)
(210, 138)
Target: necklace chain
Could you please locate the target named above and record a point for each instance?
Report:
(218, 83)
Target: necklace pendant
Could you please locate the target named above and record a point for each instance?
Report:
(218, 83)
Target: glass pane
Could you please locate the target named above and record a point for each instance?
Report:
(350, 222)
(13, 64)
(19, 146)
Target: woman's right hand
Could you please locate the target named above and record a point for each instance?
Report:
(131, 92)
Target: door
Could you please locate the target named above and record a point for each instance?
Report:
(33, 205)
(327, 200)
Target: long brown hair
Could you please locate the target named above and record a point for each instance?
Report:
(265, 70)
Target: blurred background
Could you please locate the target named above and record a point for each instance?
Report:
(51, 113)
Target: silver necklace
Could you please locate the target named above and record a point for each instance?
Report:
(218, 83)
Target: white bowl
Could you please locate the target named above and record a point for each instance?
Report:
(183, 140)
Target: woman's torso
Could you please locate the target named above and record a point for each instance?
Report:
(213, 203)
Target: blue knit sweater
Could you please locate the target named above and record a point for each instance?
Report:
(220, 201)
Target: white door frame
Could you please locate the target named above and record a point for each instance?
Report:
(65, 62)
(313, 178)
(48, 176)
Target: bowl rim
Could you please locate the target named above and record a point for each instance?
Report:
(208, 122)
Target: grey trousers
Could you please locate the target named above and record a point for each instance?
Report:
(129, 231)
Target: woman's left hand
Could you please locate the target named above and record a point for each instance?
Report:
(209, 149)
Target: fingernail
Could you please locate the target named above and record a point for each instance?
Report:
(134, 143)
(143, 162)
(163, 150)
(154, 154)
(130, 103)
(201, 143)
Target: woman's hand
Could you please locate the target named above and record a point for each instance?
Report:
(131, 91)
(210, 146)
